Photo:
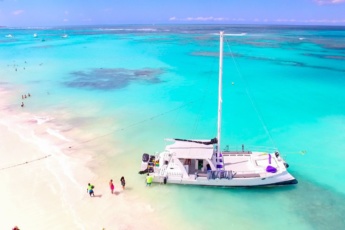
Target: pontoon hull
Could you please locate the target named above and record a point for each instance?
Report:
(277, 180)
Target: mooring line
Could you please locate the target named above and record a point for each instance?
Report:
(26, 162)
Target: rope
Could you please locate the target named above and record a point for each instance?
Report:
(26, 162)
(249, 96)
(201, 107)
(137, 123)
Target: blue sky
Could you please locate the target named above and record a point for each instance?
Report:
(96, 12)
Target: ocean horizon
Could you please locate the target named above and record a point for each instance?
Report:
(107, 94)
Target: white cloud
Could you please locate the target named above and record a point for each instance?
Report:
(323, 2)
(238, 19)
(18, 12)
(325, 21)
(198, 19)
(312, 21)
(285, 20)
(265, 20)
(205, 19)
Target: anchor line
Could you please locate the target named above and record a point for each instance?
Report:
(26, 162)
(137, 123)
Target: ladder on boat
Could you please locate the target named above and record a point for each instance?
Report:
(163, 170)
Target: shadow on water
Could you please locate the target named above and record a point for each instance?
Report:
(319, 205)
(314, 205)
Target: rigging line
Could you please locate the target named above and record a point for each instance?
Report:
(26, 162)
(138, 123)
(249, 96)
(201, 108)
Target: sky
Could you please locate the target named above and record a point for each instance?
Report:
(111, 12)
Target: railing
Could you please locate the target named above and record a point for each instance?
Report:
(216, 174)
(249, 148)
(223, 174)
(259, 172)
(174, 174)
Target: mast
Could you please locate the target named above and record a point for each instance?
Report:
(220, 92)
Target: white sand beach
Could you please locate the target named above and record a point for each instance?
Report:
(43, 185)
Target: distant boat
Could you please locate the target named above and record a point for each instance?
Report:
(201, 162)
(9, 36)
(35, 35)
(64, 34)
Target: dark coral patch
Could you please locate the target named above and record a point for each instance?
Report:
(107, 79)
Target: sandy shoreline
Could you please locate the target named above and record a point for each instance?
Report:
(43, 181)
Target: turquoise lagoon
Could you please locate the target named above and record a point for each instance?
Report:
(129, 87)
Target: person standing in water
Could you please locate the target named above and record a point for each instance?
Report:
(123, 182)
(149, 180)
(112, 187)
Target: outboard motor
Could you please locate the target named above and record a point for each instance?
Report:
(145, 161)
(152, 158)
(146, 157)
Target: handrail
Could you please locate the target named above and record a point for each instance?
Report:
(250, 148)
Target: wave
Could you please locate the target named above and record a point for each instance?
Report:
(41, 120)
(232, 35)
(128, 29)
(57, 134)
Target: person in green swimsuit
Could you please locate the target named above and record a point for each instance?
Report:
(89, 189)
(149, 180)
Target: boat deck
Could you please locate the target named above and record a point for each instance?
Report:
(247, 162)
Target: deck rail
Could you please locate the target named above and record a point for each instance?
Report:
(223, 174)
(249, 148)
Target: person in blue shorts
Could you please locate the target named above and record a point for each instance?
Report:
(89, 189)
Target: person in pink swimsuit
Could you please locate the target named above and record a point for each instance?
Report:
(112, 187)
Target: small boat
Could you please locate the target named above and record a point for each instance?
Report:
(35, 35)
(9, 36)
(64, 35)
(201, 162)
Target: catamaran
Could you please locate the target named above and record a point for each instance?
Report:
(201, 162)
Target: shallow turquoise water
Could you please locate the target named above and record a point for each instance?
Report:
(141, 86)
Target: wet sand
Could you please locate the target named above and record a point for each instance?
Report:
(43, 181)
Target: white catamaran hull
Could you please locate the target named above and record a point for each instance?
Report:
(281, 179)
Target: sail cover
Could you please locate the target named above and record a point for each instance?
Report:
(190, 150)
